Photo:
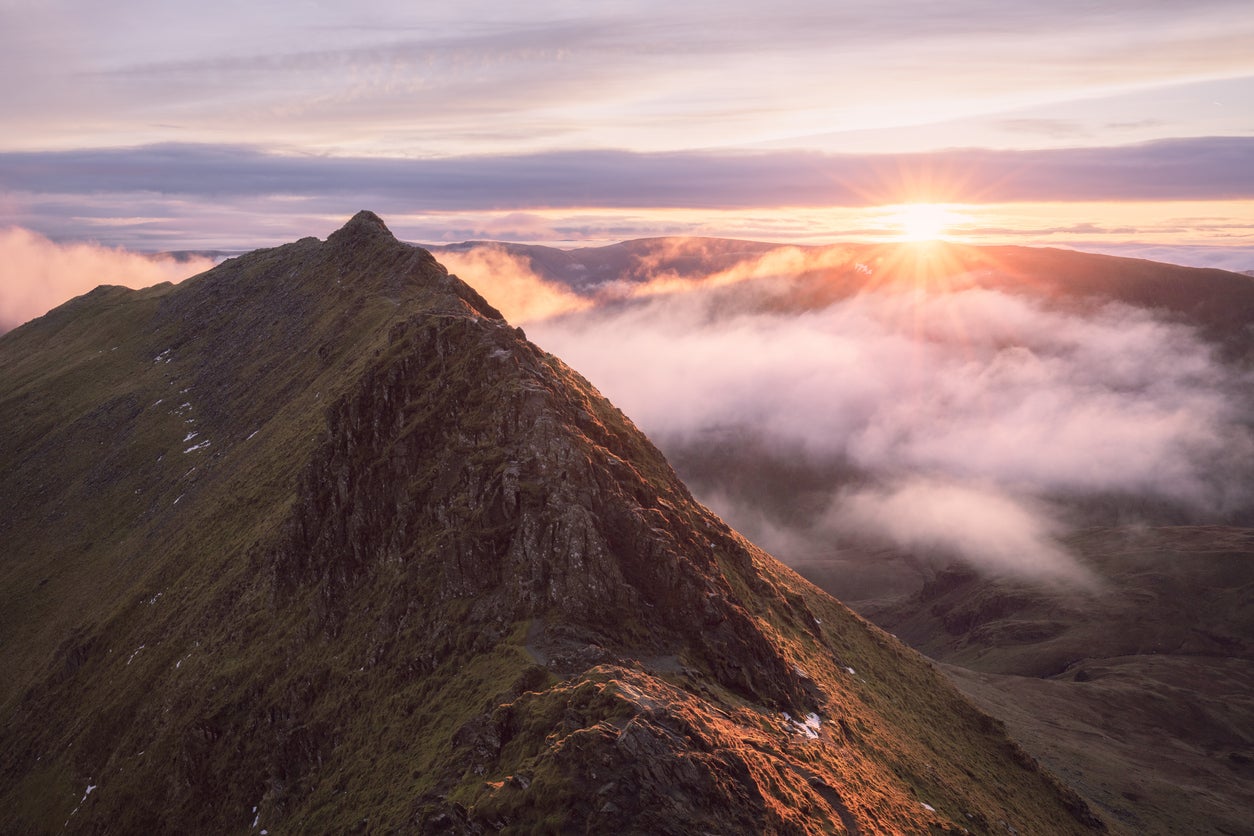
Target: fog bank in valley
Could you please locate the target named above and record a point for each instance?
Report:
(959, 420)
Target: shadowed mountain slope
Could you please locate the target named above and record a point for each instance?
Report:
(1138, 692)
(316, 542)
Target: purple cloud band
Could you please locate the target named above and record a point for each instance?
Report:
(1203, 168)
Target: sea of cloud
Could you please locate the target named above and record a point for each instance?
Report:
(975, 419)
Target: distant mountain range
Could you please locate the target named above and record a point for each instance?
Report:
(1216, 300)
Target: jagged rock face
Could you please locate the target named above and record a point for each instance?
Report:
(428, 580)
(465, 430)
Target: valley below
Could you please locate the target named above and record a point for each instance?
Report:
(1139, 693)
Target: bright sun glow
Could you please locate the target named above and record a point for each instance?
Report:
(922, 221)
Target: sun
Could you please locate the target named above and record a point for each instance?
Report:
(922, 221)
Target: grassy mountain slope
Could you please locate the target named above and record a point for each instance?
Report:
(317, 542)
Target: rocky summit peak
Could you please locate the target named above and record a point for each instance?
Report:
(363, 226)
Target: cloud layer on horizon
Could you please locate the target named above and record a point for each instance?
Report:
(181, 197)
(1204, 168)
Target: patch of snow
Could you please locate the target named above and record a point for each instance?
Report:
(928, 807)
(185, 391)
(90, 787)
(177, 498)
(163, 357)
(799, 672)
(159, 400)
(255, 820)
(178, 664)
(154, 598)
(133, 655)
(196, 447)
(850, 671)
(251, 434)
(190, 436)
(810, 727)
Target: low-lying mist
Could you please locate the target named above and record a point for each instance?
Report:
(517, 292)
(947, 420)
(36, 274)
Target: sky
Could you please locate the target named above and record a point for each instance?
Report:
(158, 125)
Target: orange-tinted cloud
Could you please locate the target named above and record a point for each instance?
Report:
(783, 261)
(1193, 168)
(509, 283)
(37, 274)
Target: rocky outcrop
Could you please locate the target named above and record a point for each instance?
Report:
(486, 471)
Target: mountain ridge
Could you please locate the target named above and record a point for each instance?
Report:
(404, 570)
